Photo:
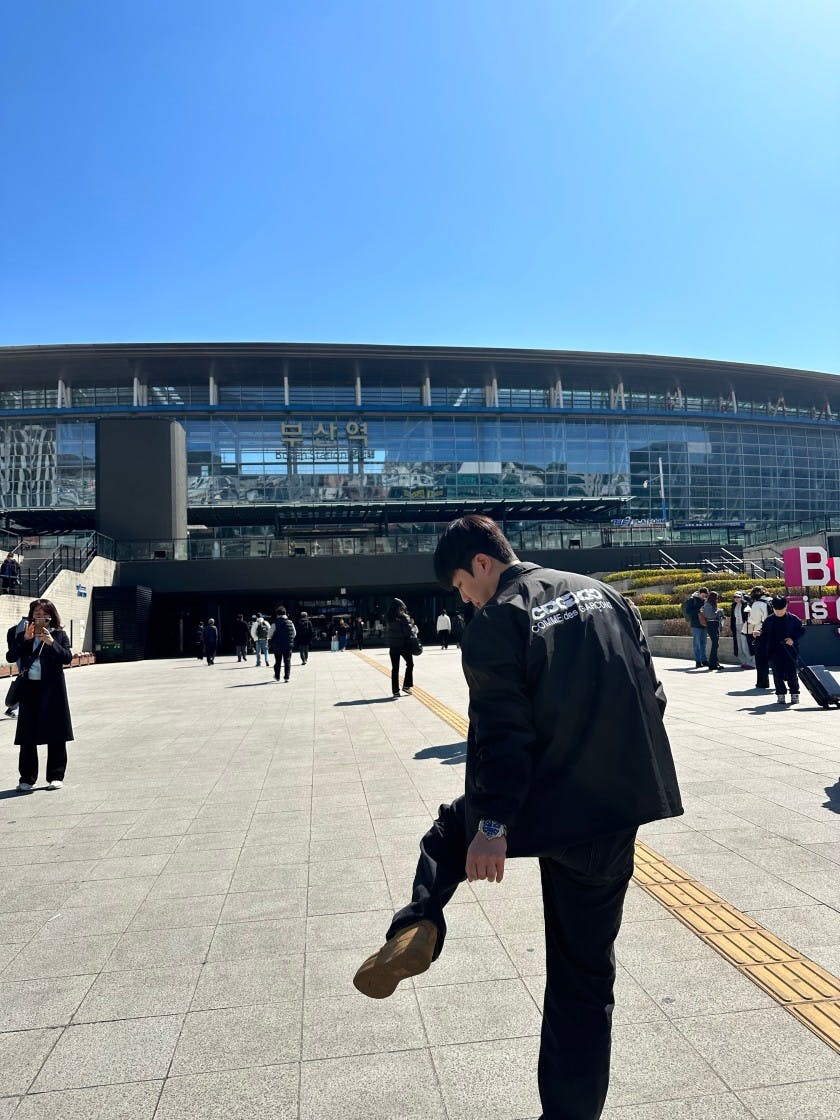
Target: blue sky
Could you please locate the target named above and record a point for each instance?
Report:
(632, 175)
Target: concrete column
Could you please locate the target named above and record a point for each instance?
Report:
(65, 394)
(286, 383)
(212, 387)
(358, 383)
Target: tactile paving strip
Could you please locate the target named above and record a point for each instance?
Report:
(807, 991)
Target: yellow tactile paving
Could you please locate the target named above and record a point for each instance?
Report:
(807, 991)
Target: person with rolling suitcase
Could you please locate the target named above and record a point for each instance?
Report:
(781, 632)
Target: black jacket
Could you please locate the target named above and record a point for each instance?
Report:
(566, 740)
(304, 632)
(691, 609)
(774, 632)
(241, 632)
(282, 640)
(211, 639)
(399, 631)
(44, 713)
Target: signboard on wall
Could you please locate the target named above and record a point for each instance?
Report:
(812, 567)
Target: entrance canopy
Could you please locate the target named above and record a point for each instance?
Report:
(399, 512)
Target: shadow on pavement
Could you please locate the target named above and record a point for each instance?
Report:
(833, 795)
(449, 754)
(372, 700)
(252, 684)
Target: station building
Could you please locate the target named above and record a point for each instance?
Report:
(322, 474)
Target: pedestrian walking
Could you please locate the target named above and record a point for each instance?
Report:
(211, 641)
(10, 575)
(759, 609)
(198, 641)
(259, 632)
(714, 617)
(400, 630)
(281, 638)
(357, 633)
(241, 634)
(342, 632)
(458, 625)
(693, 612)
(781, 633)
(443, 625)
(42, 649)
(305, 634)
(566, 756)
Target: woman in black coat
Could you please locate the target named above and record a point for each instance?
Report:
(399, 632)
(43, 649)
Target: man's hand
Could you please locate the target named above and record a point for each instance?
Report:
(486, 858)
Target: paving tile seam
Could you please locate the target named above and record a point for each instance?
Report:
(806, 991)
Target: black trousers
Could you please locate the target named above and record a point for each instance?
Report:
(784, 673)
(443, 638)
(283, 657)
(408, 681)
(762, 665)
(304, 654)
(713, 630)
(56, 762)
(583, 891)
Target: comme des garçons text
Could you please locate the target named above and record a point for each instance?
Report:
(568, 606)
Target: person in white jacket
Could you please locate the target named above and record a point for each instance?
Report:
(444, 629)
(260, 631)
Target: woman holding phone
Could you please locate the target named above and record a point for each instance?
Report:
(43, 649)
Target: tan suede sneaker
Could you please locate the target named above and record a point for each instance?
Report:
(408, 953)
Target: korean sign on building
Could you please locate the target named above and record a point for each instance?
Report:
(324, 441)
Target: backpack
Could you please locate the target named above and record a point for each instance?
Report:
(262, 630)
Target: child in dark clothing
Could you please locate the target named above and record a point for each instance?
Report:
(782, 632)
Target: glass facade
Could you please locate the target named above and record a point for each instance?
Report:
(713, 469)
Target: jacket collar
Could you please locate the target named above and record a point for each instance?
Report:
(512, 573)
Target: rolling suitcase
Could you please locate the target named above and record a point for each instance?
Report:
(820, 683)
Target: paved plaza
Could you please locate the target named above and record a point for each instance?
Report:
(180, 924)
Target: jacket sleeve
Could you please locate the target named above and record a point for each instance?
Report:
(502, 732)
(292, 631)
(271, 630)
(60, 649)
(638, 625)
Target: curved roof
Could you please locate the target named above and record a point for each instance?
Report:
(333, 362)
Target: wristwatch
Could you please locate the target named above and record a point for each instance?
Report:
(492, 829)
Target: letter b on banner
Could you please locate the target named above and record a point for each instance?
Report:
(807, 567)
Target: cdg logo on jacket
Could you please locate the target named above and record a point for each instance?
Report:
(569, 605)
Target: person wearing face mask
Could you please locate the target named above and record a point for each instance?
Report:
(42, 649)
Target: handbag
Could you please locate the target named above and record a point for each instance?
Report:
(334, 645)
(15, 688)
(13, 695)
(413, 644)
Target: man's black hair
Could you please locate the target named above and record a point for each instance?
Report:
(464, 539)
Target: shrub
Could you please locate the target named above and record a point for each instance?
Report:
(676, 628)
(660, 578)
(665, 610)
(660, 573)
(647, 599)
(725, 586)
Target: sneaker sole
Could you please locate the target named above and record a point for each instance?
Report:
(379, 982)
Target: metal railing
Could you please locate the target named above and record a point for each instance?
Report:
(75, 552)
